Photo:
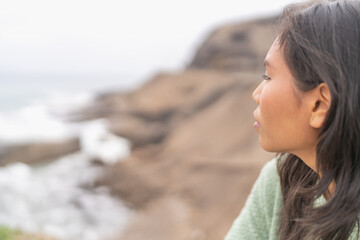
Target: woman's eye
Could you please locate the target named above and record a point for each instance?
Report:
(265, 77)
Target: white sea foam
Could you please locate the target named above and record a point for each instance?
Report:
(41, 121)
(98, 142)
(50, 199)
(57, 198)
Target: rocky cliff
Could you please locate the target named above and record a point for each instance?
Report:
(195, 155)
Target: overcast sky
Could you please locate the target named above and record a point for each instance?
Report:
(108, 37)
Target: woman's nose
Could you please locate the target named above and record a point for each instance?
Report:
(256, 94)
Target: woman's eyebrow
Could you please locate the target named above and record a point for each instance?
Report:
(267, 64)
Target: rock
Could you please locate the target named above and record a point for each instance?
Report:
(186, 93)
(138, 131)
(237, 47)
(148, 114)
(32, 153)
(195, 155)
(126, 182)
(105, 105)
(28, 236)
(164, 218)
(208, 154)
(97, 162)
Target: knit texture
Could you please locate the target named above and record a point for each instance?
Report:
(259, 219)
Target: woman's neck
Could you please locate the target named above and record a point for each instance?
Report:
(309, 158)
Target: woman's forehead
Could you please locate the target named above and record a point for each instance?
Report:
(274, 56)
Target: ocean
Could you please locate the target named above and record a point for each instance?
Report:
(50, 198)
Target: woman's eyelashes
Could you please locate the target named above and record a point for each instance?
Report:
(265, 77)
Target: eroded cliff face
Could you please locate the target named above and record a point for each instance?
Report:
(194, 153)
(237, 47)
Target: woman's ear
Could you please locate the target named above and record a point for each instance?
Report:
(320, 105)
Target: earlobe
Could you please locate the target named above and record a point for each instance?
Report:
(312, 117)
(318, 119)
(321, 105)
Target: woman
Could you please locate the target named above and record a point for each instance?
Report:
(308, 109)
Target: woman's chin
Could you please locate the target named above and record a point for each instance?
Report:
(267, 146)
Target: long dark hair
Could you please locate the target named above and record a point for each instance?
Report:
(321, 44)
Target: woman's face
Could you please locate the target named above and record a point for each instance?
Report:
(281, 119)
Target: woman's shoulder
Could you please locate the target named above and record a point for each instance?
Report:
(270, 167)
(259, 217)
(269, 173)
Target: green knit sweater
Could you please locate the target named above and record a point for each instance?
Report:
(259, 218)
